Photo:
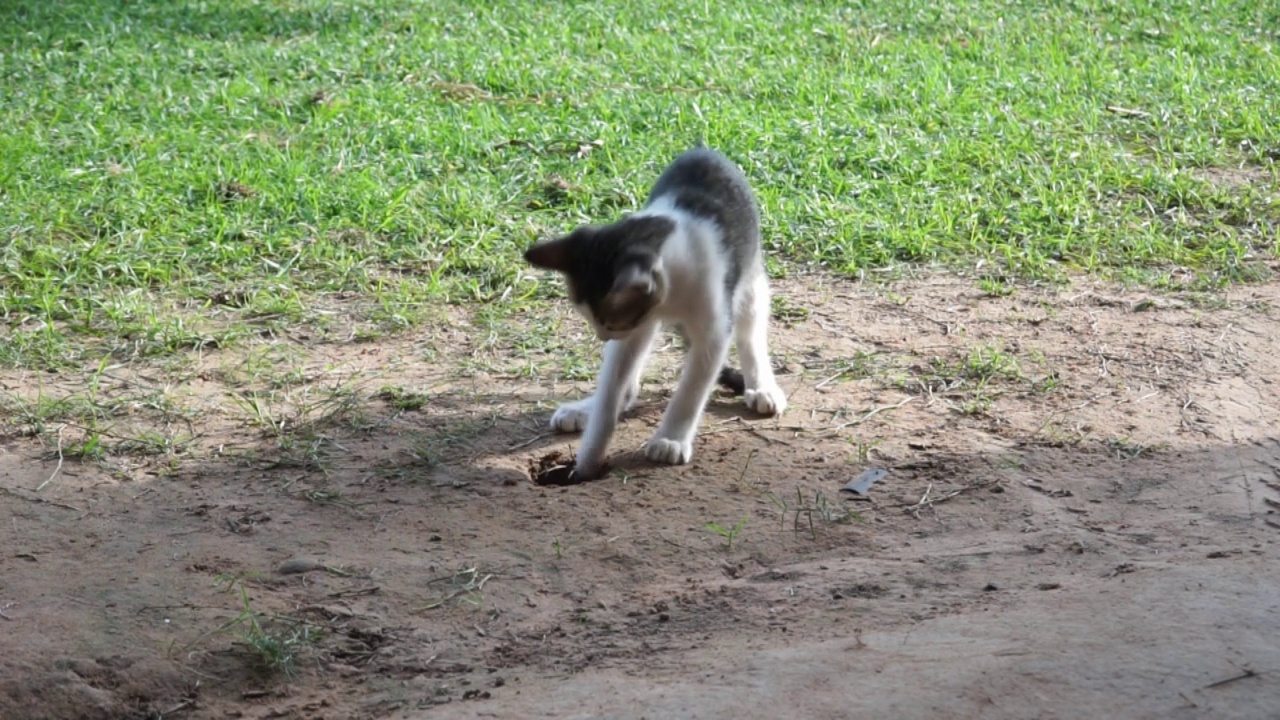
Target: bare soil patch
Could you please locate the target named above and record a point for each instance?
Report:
(1080, 519)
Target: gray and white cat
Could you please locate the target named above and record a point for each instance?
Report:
(691, 258)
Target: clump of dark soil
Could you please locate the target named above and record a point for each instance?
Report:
(555, 468)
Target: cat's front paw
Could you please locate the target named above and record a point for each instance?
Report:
(571, 417)
(668, 451)
(768, 400)
(585, 472)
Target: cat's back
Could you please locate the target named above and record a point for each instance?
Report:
(705, 183)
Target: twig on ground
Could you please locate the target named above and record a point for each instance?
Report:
(674, 543)
(744, 427)
(1127, 112)
(1058, 413)
(828, 379)
(530, 441)
(924, 499)
(1246, 673)
(176, 708)
(57, 469)
(41, 501)
(927, 501)
(747, 464)
(355, 591)
(828, 431)
(859, 420)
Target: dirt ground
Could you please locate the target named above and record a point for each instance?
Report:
(1079, 519)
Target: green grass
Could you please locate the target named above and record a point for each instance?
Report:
(726, 532)
(276, 641)
(174, 174)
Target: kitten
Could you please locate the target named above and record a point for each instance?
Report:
(692, 258)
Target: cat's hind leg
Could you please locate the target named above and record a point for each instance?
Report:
(751, 330)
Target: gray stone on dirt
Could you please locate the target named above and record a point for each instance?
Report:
(862, 484)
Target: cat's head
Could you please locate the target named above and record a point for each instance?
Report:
(613, 273)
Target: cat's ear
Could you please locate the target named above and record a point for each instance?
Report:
(550, 254)
(633, 282)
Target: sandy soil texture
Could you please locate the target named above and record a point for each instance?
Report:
(1079, 518)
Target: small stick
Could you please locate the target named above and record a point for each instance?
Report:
(928, 391)
(1064, 411)
(914, 508)
(180, 706)
(531, 441)
(873, 413)
(41, 501)
(746, 465)
(148, 608)
(1127, 112)
(673, 542)
(357, 591)
(57, 469)
(1144, 397)
(823, 383)
(764, 437)
(1247, 673)
(809, 428)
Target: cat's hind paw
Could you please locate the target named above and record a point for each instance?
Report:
(766, 400)
(571, 417)
(668, 451)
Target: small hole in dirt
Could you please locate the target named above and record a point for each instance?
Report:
(555, 468)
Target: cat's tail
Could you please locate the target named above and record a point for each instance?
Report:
(732, 380)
